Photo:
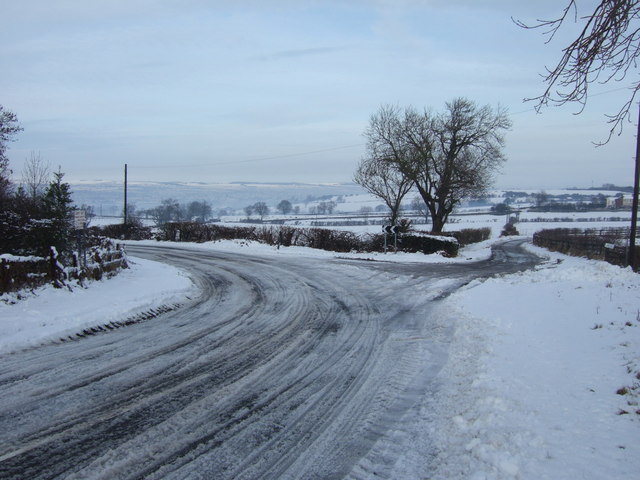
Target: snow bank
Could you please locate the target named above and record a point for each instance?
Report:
(17, 258)
(51, 313)
(474, 252)
(531, 388)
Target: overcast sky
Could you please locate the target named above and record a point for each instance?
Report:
(220, 91)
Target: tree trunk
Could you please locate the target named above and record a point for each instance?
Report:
(438, 223)
(437, 218)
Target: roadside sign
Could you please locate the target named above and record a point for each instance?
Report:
(79, 219)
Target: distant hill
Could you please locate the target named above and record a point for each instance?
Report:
(107, 197)
(609, 187)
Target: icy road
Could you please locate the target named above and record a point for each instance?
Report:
(281, 368)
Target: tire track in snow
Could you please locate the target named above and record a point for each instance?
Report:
(278, 370)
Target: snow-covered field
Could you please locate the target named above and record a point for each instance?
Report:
(541, 380)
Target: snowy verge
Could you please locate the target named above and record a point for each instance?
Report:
(49, 313)
(474, 252)
(543, 376)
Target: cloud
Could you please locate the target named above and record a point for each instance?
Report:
(300, 52)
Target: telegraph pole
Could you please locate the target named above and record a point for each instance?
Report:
(634, 205)
(125, 194)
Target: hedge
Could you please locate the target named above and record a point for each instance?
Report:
(320, 238)
(600, 244)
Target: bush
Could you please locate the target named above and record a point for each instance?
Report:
(509, 230)
(332, 240)
(130, 231)
(18, 272)
(428, 244)
(467, 236)
(405, 225)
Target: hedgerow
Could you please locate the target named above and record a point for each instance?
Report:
(320, 238)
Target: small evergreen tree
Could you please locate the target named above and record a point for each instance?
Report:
(57, 208)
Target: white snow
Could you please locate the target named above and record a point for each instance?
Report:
(19, 258)
(479, 251)
(49, 313)
(529, 388)
(529, 391)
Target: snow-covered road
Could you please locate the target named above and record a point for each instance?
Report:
(282, 368)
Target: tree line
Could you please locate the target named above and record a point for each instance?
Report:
(36, 214)
(170, 210)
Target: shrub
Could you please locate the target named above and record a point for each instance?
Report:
(405, 224)
(428, 244)
(333, 240)
(467, 236)
(130, 231)
(508, 230)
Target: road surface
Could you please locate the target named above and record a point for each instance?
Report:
(282, 368)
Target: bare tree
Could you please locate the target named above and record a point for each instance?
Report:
(35, 176)
(134, 219)
(327, 207)
(9, 127)
(454, 154)
(331, 206)
(418, 205)
(199, 211)
(168, 211)
(261, 209)
(365, 211)
(541, 198)
(607, 48)
(383, 179)
(447, 156)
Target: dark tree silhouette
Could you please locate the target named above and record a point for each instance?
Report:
(9, 127)
(607, 48)
(285, 207)
(383, 179)
(446, 156)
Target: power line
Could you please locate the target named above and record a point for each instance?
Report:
(533, 109)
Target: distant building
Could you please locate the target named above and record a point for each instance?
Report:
(620, 201)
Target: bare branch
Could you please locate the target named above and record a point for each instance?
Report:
(607, 48)
(35, 176)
